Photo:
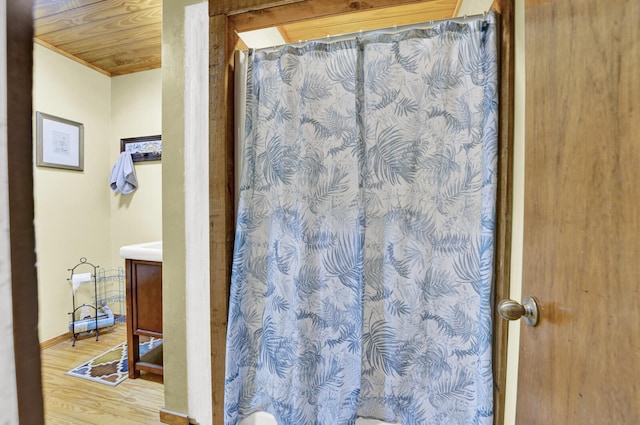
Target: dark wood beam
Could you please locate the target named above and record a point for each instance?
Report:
(230, 7)
(221, 201)
(309, 9)
(24, 284)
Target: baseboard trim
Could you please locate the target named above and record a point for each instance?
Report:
(69, 336)
(173, 418)
(56, 340)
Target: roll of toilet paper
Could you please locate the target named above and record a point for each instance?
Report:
(78, 278)
(85, 312)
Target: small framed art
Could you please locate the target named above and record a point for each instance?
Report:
(148, 148)
(59, 142)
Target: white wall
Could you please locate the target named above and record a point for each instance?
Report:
(176, 385)
(71, 207)
(136, 111)
(76, 213)
(196, 210)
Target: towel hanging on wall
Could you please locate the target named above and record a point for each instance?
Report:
(123, 175)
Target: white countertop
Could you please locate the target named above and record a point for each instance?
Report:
(148, 251)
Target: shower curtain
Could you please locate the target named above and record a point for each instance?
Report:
(362, 272)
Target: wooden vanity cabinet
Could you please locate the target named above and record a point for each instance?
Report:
(144, 312)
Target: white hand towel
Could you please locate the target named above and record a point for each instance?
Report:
(123, 175)
(79, 278)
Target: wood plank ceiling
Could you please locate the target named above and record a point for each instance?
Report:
(118, 37)
(114, 37)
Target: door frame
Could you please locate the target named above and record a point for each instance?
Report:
(19, 133)
(226, 19)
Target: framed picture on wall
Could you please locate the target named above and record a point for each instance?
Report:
(148, 148)
(59, 142)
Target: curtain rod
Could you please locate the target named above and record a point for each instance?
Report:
(419, 25)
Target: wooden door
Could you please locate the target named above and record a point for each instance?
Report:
(581, 364)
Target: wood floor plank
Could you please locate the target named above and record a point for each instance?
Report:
(69, 400)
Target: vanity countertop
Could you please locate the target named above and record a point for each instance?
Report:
(148, 251)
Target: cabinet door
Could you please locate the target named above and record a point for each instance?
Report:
(146, 293)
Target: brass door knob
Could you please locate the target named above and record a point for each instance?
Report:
(513, 310)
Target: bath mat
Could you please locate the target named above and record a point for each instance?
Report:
(111, 367)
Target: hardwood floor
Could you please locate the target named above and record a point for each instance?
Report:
(69, 400)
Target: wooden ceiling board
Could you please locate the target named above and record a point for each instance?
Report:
(95, 13)
(133, 60)
(42, 8)
(146, 44)
(117, 37)
(103, 34)
(125, 64)
(369, 20)
(106, 28)
(115, 41)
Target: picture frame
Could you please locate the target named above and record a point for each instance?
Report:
(147, 148)
(59, 142)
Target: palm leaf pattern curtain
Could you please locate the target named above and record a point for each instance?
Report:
(362, 273)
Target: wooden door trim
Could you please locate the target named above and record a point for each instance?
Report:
(502, 252)
(24, 284)
(307, 10)
(223, 40)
